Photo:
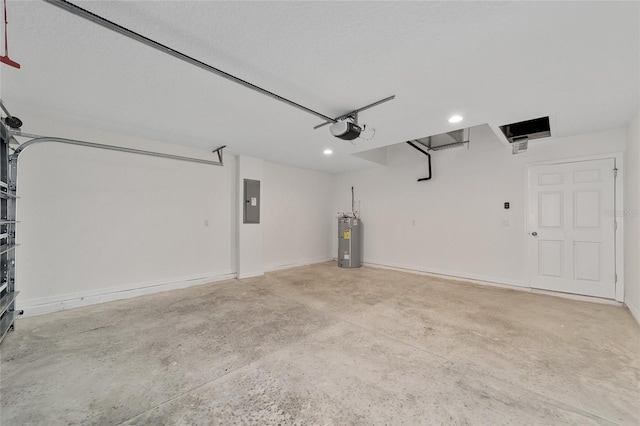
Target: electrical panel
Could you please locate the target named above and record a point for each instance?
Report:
(251, 201)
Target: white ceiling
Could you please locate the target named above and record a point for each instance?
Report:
(492, 62)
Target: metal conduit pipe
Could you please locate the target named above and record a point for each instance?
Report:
(428, 159)
(83, 13)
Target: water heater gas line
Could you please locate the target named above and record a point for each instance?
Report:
(353, 208)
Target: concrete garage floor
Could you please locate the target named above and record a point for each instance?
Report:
(327, 346)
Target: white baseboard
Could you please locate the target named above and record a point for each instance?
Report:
(579, 297)
(250, 275)
(46, 305)
(499, 283)
(272, 268)
(635, 312)
(51, 304)
(448, 274)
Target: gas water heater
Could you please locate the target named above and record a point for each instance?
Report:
(349, 238)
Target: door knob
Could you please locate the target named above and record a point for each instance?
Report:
(534, 233)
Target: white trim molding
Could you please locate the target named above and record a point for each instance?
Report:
(272, 268)
(46, 305)
(510, 286)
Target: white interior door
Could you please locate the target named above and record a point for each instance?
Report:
(571, 234)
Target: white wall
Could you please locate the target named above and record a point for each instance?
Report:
(101, 225)
(632, 220)
(96, 225)
(452, 224)
(250, 248)
(297, 216)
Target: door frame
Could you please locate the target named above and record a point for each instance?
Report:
(618, 196)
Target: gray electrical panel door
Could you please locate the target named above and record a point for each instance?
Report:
(251, 201)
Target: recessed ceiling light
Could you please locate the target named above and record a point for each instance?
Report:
(455, 119)
(327, 152)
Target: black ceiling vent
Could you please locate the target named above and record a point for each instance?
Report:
(527, 130)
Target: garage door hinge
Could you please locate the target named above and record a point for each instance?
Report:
(615, 172)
